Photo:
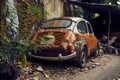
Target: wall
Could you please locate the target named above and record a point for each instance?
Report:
(54, 7)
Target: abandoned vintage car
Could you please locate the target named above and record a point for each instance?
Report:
(65, 38)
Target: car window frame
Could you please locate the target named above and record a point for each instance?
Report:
(86, 31)
(90, 29)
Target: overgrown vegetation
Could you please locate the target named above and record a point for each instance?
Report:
(30, 16)
(14, 52)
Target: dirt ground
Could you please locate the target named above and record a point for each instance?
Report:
(44, 70)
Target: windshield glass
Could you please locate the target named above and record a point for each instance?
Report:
(57, 23)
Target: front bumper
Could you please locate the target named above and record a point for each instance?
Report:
(60, 57)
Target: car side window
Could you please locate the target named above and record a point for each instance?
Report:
(90, 30)
(82, 27)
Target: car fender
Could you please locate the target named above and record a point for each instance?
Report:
(80, 44)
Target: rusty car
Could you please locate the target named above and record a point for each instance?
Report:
(65, 38)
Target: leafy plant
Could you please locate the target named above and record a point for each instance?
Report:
(9, 50)
(30, 16)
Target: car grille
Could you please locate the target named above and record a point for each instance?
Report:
(59, 36)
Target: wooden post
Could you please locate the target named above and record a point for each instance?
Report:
(109, 23)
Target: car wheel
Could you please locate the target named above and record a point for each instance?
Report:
(82, 61)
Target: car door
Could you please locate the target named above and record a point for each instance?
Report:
(92, 38)
(83, 30)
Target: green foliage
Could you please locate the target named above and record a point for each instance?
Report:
(35, 11)
(118, 5)
(29, 15)
(79, 11)
(21, 49)
(95, 15)
(3, 47)
(9, 50)
(16, 50)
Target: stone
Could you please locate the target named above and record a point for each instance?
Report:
(30, 71)
(117, 79)
(97, 64)
(40, 68)
(36, 78)
(93, 66)
(89, 67)
(86, 69)
(92, 60)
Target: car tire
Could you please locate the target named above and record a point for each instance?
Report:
(82, 61)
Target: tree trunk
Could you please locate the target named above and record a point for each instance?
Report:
(10, 26)
(11, 20)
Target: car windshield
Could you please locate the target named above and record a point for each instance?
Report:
(57, 23)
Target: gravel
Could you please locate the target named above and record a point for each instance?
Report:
(44, 70)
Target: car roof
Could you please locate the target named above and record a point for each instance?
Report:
(72, 18)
